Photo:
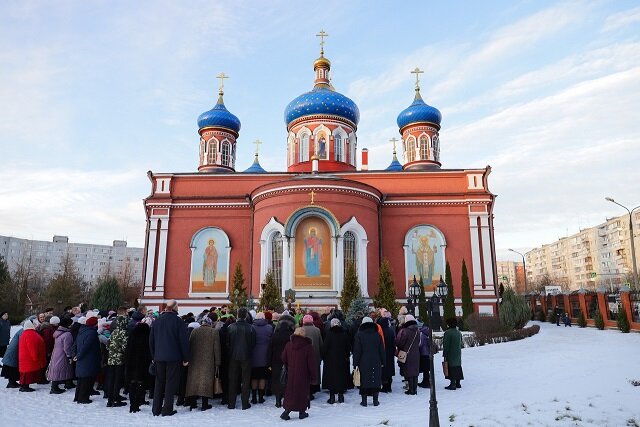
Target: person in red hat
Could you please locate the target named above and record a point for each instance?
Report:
(32, 357)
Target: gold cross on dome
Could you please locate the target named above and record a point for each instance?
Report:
(393, 141)
(257, 142)
(222, 76)
(417, 72)
(322, 34)
(313, 193)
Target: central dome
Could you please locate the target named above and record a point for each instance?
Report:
(322, 100)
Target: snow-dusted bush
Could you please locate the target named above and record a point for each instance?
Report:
(514, 310)
(582, 322)
(623, 322)
(599, 321)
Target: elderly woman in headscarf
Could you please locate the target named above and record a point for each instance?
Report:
(32, 357)
(205, 363)
(369, 358)
(299, 357)
(336, 349)
(260, 360)
(313, 333)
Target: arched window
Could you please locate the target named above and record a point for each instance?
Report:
(411, 149)
(304, 148)
(339, 149)
(226, 153)
(213, 151)
(436, 148)
(276, 259)
(424, 147)
(350, 253)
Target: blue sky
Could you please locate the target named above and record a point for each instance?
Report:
(95, 94)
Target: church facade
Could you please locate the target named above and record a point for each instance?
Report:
(306, 224)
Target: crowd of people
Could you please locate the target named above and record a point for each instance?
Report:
(150, 358)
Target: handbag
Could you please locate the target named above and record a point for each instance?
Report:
(356, 377)
(152, 368)
(283, 375)
(217, 382)
(445, 368)
(402, 355)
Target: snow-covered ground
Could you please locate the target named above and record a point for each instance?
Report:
(560, 377)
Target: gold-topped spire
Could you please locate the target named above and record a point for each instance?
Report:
(322, 34)
(221, 76)
(257, 142)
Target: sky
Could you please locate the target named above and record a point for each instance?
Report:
(95, 94)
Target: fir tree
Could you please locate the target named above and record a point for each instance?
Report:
(351, 288)
(449, 305)
(422, 304)
(358, 309)
(9, 295)
(386, 297)
(107, 295)
(238, 296)
(514, 311)
(467, 302)
(598, 320)
(271, 298)
(582, 322)
(65, 288)
(623, 321)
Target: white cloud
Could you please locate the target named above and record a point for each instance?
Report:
(621, 19)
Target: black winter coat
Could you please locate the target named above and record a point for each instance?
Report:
(279, 340)
(336, 349)
(388, 331)
(241, 339)
(169, 340)
(87, 352)
(138, 356)
(369, 356)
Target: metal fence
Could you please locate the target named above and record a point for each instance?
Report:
(634, 296)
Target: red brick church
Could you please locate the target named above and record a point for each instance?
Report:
(306, 223)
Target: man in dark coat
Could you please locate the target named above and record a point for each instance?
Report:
(389, 369)
(336, 349)
(408, 340)
(169, 345)
(5, 332)
(279, 339)
(369, 358)
(299, 357)
(241, 339)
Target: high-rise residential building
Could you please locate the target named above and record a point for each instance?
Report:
(511, 273)
(92, 261)
(593, 257)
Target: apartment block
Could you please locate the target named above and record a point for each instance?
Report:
(92, 261)
(593, 257)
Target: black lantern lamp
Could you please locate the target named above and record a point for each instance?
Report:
(442, 289)
(414, 293)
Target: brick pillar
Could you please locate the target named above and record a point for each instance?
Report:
(625, 298)
(583, 303)
(602, 304)
(567, 304)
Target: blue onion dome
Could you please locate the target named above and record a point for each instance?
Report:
(255, 167)
(219, 116)
(322, 100)
(419, 112)
(395, 165)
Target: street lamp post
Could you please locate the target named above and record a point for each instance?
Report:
(524, 268)
(633, 246)
(440, 293)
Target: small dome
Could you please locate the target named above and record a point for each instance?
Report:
(395, 165)
(219, 116)
(255, 167)
(322, 100)
(418, 112)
